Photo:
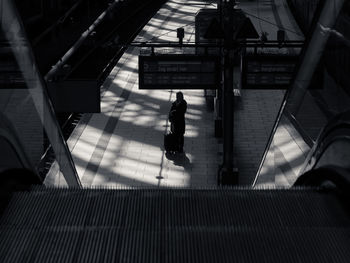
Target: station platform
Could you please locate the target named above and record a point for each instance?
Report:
(123, 145)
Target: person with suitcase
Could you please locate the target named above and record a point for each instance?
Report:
(177, 120)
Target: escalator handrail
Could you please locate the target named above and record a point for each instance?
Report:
(327, 136)
(339, 176)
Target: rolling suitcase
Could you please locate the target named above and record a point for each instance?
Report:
(170, 144)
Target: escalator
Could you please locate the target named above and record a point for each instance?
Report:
(309, 222)
(305, 224)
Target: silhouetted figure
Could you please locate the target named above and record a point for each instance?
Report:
(177, 119)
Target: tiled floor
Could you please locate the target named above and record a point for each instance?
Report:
(288, 150)
(123, 145)
(256, 110)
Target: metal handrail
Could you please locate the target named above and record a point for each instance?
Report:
(337, 129)
(245, 43)
(77, 44)
(322, 176)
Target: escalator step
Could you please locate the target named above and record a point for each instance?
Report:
(175, 225)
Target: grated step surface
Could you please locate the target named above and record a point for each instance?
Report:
(175, 225)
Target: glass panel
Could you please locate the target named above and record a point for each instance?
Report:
(25, 110)
(326, 95)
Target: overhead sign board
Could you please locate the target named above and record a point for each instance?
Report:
(268, 71)
(179, 72)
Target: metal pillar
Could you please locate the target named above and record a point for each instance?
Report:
(218, 98)
(314, 51)
(227, 173)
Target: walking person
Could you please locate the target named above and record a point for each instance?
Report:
(177, 119)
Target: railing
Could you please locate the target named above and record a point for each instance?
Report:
(328, 161)
(332, 146)
(80, 41)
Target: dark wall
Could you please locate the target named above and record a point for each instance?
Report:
(53, 26)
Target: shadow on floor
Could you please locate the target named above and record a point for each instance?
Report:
(179, 159)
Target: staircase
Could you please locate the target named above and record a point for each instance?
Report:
(175, 225)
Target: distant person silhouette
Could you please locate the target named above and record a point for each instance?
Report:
(177, 119)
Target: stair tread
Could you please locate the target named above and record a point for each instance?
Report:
(158, 225)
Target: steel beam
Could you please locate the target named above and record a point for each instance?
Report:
(313, 53)
(14, 31)
(227, 174)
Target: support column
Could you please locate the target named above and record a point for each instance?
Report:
(218, 104)
(313, 53)
(227, 173)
